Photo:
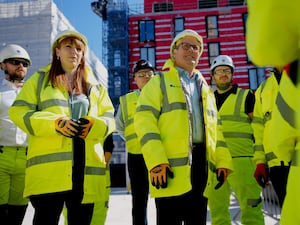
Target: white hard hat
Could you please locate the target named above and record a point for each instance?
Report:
(14, 51)
(186, 33)
(221, 60)
(68, 33)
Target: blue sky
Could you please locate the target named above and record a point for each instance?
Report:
(81, 16)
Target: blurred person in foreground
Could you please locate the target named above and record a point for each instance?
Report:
(143, 71)
(14, 61)
(274, 40)
(178, 128)
(66, 114)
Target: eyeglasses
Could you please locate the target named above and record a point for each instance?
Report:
(144, 73)
(222, 71)
(186, 46)
(17, 62)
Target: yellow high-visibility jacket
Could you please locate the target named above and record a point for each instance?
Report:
(128, 106)
(273, 32)
(236, 124)
(49, 159)
(163, 126)
(265, 96)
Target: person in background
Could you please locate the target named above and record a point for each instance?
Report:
(67, 115)
(14, 61)
(143, 71)
(268, 165)
(101, 208)
(177, 125)
(235, 107)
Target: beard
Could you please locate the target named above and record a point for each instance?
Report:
(224, 87)
(16, 76)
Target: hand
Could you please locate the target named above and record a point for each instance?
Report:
(66, 127)
(261, 175)
(221, 177)
(159, 175)
(85, 125)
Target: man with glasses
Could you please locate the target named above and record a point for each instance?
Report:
(235, 107)
(177, 125)
(143, 71)
(13, 142)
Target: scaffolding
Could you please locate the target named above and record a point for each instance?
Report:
(115, 41)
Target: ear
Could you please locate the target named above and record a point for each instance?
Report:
(57, 51)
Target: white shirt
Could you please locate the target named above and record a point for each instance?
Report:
(10, 134)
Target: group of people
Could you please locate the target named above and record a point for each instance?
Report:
(188, 145)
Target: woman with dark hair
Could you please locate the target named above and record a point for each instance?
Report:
(67, 114)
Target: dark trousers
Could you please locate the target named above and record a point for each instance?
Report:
(189, 208)
(139, 183)
(278, 176)
(48, 208)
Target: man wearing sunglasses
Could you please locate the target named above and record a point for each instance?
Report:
(235, 107)
(143, 71)
(13, 142)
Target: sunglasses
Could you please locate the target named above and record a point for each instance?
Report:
(17, 62)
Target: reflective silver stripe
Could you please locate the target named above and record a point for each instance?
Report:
(254, 202)
(27, 122)
(270, 156)
(178, 161)
(166, 106)
(295, 159)
(24, 103)
(286, 112)
(258, 148)
(237, 135)
(148, 137)
(128, 122)
(142, 108)
(212, 166)
(94, 170)
(257, 120)
(221, 144)
(238, 102)
(55, 157)
(52, 102)
(219, 122)
(130, 137)
(235, 118)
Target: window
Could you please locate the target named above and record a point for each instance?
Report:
(179, 25)
(212, 26)
(146, 30)
(148, 54)
(203, 4)
(213, 51)
(163, 7)
(256, 76)
(117, 58)
(236, 2)
(245, 17)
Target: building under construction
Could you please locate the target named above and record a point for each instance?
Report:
(33, 24)
(115, 40)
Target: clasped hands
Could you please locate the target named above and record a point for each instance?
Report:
(73, 128)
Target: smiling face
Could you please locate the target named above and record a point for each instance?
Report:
(70, 52)
(187, 53)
